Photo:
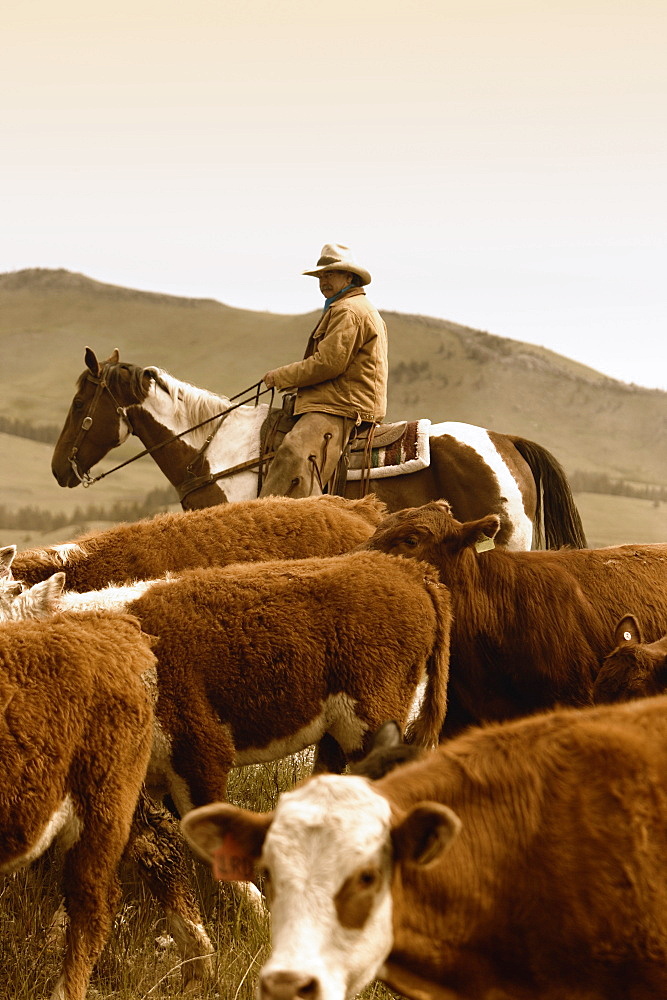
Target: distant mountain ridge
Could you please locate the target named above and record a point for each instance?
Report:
(438, 368)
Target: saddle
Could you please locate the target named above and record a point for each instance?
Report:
(277, 424)
(384, 435)
(396, 448)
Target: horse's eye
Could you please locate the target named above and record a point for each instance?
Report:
(410, 540)
(77, 403)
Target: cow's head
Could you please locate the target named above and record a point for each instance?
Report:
(431, 533)
(634, 669)
(39, 601)
(327, 855)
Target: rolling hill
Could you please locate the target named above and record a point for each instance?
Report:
(438, 369)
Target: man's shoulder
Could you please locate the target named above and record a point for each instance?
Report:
(356, 302)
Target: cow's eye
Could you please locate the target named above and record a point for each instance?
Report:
(368, 877)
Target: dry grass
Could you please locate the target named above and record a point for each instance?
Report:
(134, 966)
(611, 520)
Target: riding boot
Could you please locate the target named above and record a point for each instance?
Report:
(308, 456)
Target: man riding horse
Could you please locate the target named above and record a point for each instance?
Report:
(341, 384)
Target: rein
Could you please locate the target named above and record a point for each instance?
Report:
(252, 394)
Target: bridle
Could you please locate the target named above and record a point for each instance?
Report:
(193, 482)
(101, 385)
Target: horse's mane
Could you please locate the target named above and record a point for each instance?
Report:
(112, 376)
(193, 403)
(196, 404)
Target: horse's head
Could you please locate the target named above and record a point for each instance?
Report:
(96, 421)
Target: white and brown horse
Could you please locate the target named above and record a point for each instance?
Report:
(209, 450)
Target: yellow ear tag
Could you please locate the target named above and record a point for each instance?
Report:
(484, 544)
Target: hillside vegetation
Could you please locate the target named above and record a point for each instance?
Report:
(438, 369)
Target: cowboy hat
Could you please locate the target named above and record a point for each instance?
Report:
(336, 257)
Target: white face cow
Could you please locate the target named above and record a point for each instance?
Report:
(327, 854)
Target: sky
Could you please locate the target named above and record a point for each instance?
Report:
(498, 163)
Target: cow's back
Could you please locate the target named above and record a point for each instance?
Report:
(531, 629)
(624, 579)
(290, 624)
(253, 530)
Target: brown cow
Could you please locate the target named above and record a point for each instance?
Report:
(75, 738)
(246, 531)
(634, 669)
(523, 860)
(530, 629)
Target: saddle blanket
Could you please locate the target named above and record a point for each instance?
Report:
(409, 453)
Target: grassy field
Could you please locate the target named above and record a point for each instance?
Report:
(138, 964)
(611, 520)
(27, 480)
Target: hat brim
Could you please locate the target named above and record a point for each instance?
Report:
(341, 266)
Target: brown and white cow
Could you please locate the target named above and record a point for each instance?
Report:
(75, 738)
(523, 860)
(258, 661)
(634, 668)
(530, 629)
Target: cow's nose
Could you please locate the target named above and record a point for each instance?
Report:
(289, 986)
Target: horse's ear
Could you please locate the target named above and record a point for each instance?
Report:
(92, 364)
(115, 357)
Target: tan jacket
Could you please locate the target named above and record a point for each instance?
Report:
(345, 367)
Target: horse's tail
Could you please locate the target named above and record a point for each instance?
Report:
(557, 520)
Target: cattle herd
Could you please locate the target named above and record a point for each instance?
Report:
(502, 830)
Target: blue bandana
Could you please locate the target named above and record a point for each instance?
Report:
(329, 302)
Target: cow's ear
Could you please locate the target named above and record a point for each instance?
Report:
(474, 532)
(627, 631)
(6, 559)
(424, 833)
(227, 838)
(46, 594)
